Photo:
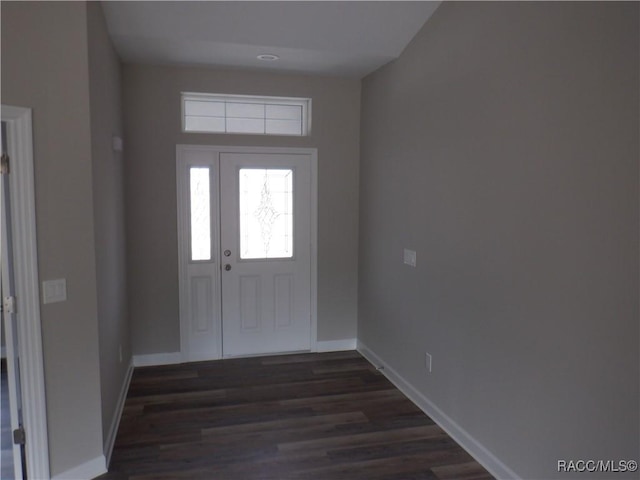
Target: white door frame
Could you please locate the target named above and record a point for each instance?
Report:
(183, 233)
(23, 217)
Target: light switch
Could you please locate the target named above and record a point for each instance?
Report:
(410, 257)
(54, 290)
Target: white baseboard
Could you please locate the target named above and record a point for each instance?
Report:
(483, 456)
(337, 345)
(115, 422)
(85, 471)
(157, 359)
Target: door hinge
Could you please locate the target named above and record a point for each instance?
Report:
(19, 437)
(9, 305)
(4, 164)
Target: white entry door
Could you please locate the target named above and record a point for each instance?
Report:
(265, 239)
(246, 285)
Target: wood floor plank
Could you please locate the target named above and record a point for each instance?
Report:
(366, 439)
(278, 425)
(326, 416)
(461, 471)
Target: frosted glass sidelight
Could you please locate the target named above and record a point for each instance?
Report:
(266, 213)
(200, 205)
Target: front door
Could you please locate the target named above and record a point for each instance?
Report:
(265, 239)
(246, 284)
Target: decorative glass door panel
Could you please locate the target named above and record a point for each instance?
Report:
(266, 213)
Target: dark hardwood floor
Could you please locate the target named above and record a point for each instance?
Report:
(309, 417)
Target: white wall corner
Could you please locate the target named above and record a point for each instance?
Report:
(336, 345)
(87, 470)
(153, 359)
(115, 421)
(478, 451)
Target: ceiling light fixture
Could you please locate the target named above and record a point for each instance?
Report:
(268, 57)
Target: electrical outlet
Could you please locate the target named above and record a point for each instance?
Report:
(427, 361)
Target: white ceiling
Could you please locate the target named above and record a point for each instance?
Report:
(316, 37)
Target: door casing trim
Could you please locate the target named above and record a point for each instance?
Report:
(183, 240)
(23, 218)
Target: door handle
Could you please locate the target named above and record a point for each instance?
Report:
(227, 267)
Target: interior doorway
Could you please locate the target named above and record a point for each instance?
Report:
(13, 457)
(246, 223)
(21, 298)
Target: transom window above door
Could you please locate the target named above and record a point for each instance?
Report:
(216, 113)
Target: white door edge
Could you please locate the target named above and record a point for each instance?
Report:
(20, 140)
(183, 237)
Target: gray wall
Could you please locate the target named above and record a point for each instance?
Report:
(108, 213)
(152, 130)
(503, 147)
(45, 67)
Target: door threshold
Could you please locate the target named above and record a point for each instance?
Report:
(267, 354)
